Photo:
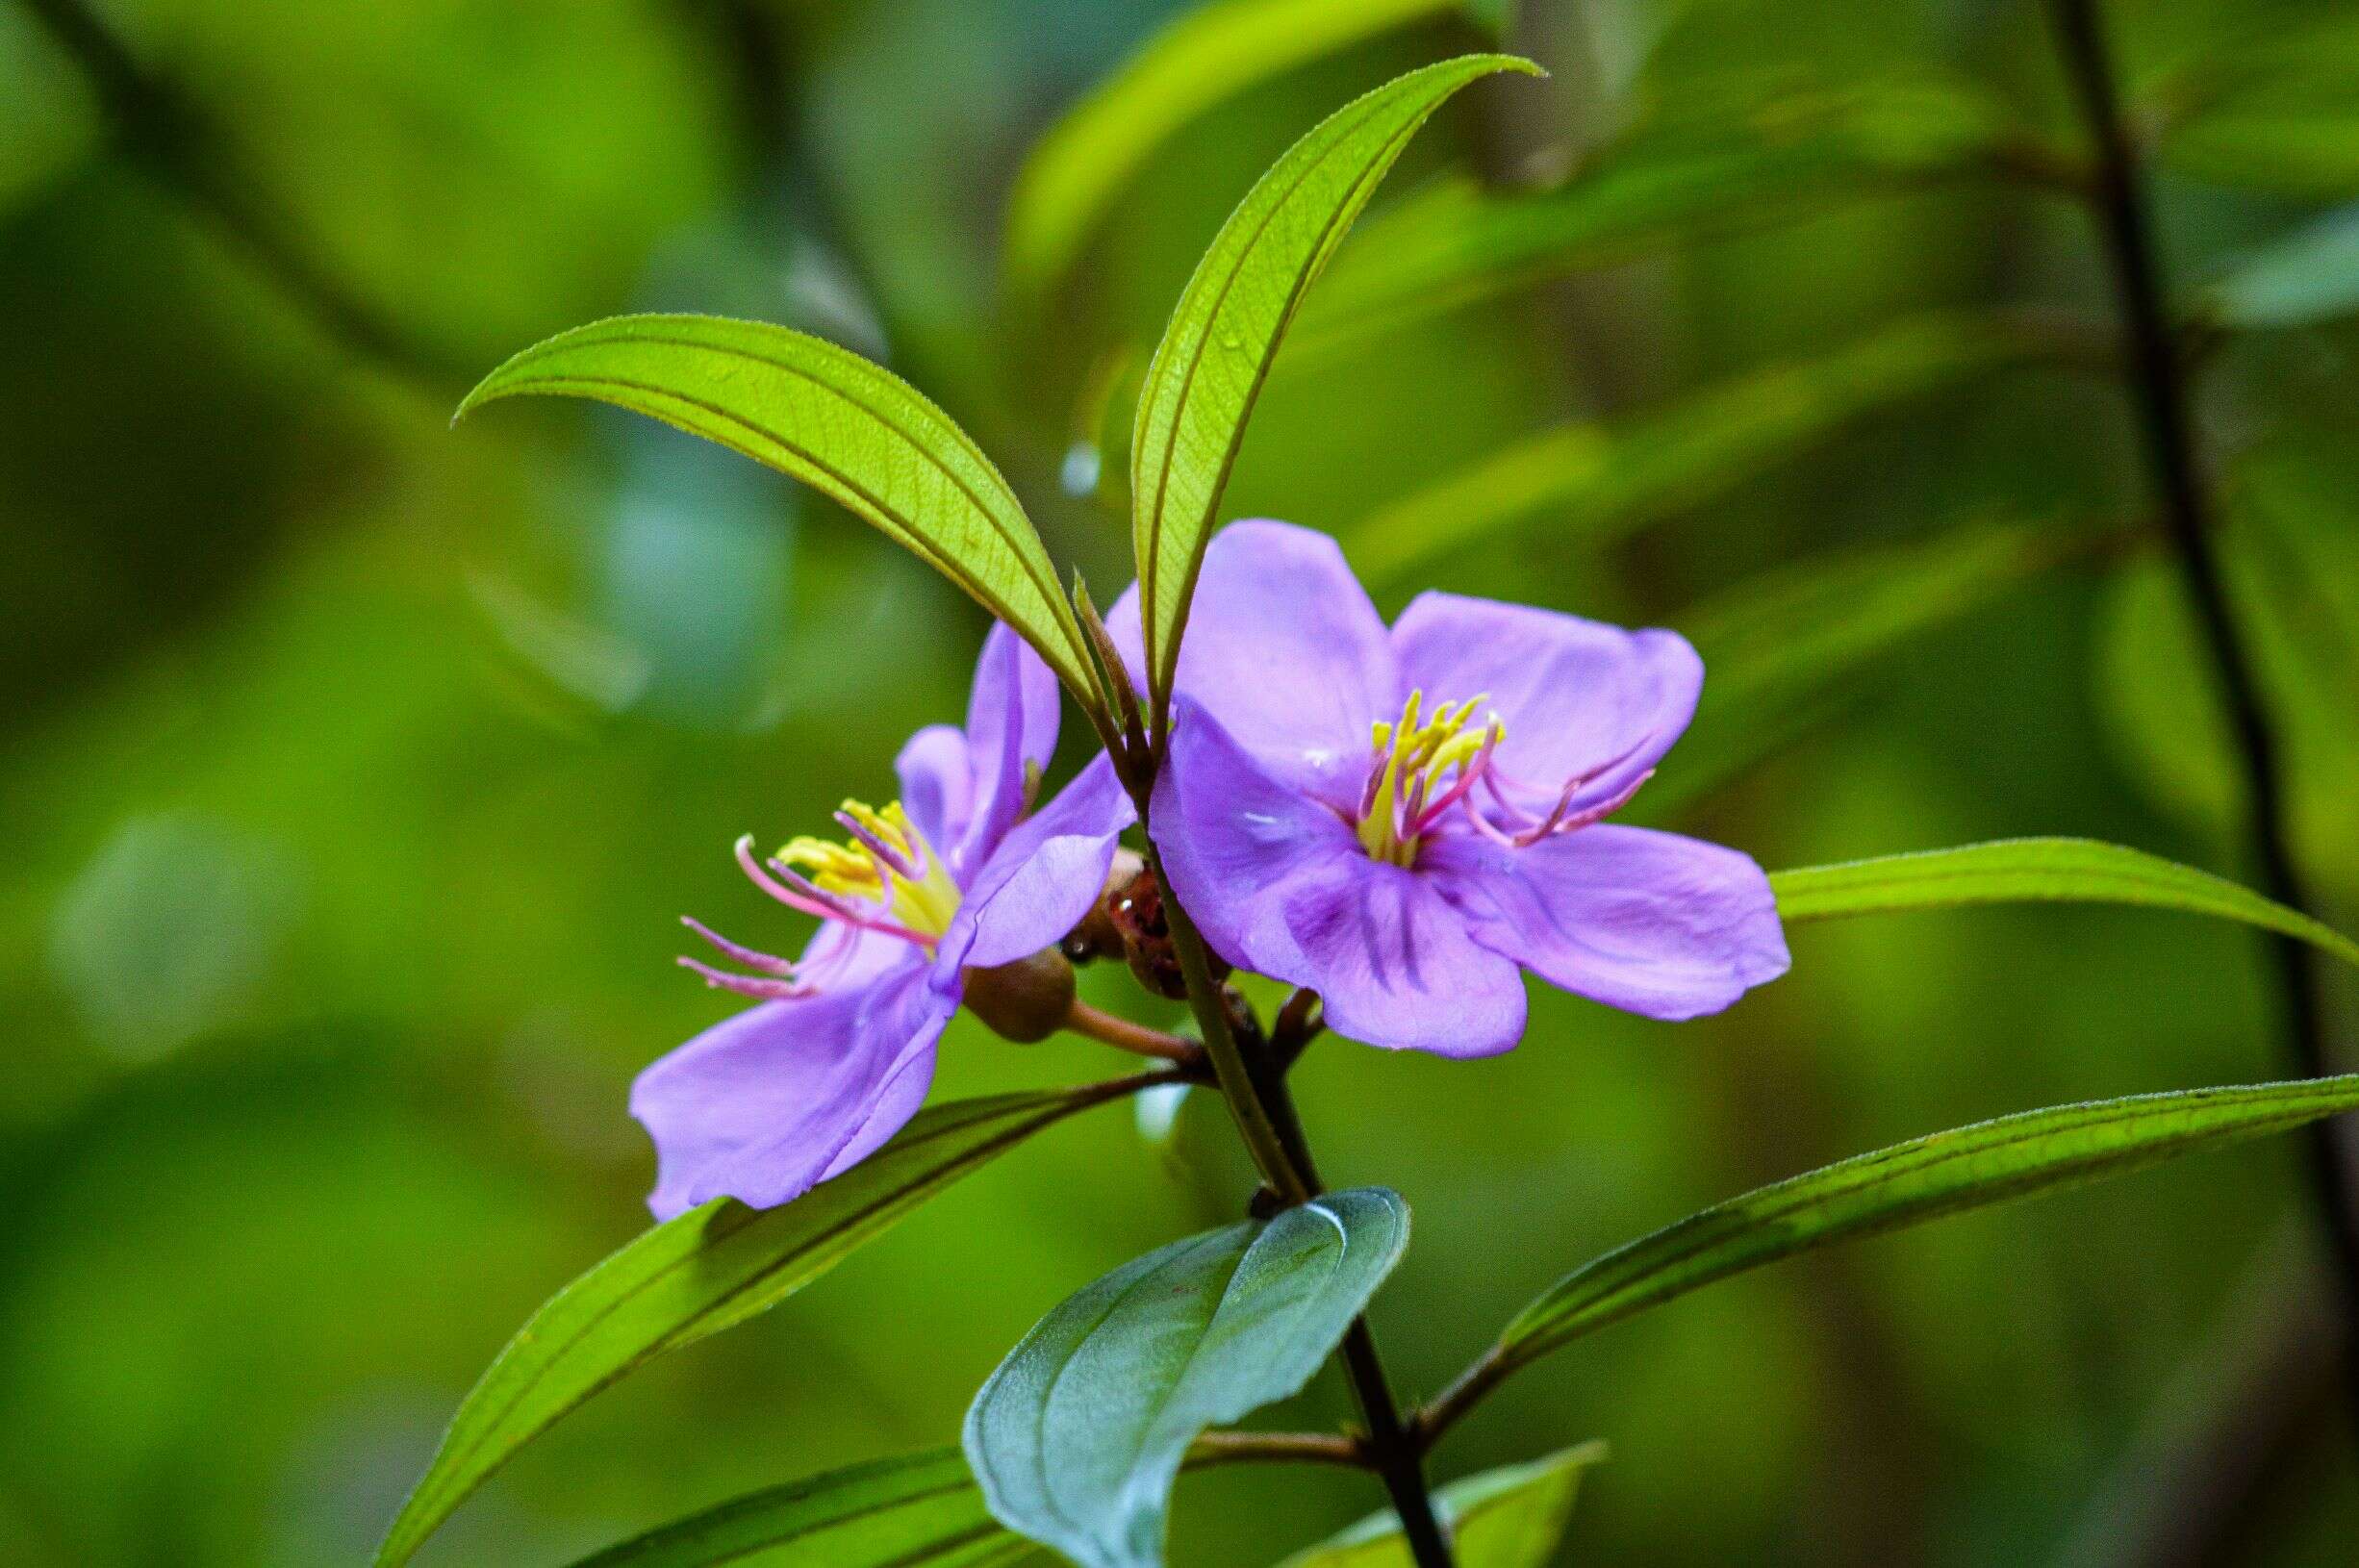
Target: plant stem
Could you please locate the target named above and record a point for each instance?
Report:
(1264, 1113)
(2159, 382)
(1108, 1029)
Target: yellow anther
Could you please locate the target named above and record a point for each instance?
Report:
(854, 869)
(1415, 753)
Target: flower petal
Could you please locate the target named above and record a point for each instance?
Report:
(937, 778)
(1279, 884)
(1285, 649)
(764, 1107)
(1575, 695)
(1011, 726)
(1045, 874)
(1651, 923)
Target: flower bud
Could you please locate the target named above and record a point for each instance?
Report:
(1098, 936)
(1137, 911)
(1024, 1001)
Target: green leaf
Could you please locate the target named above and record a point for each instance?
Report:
(2280, 114)
(707, 1269)
(1512, 1517)
(1781, 650)
(1077, 1436)
(2311, 275)
(1730, 167)
(1989, 1162)
(1202, 383)
(834, 421)
(1597, 483)
(1206, 56)
(2037, 871)
(893, 1513)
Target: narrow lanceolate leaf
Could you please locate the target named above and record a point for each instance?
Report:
(1513, 1517)
(895, 1513)
(707, 1269)
(1208, 55)
(2279, 112)
(2037, 871)
(1694, 173)
(1202, 383)
(1077, 1435)
(834, 421)
(1907, 1185)
(1597, 483)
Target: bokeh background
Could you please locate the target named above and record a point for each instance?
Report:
(354, 769)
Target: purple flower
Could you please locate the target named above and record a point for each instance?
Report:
(954, 876)
(1402, 820)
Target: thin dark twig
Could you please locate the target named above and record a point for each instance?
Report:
(2158, 380)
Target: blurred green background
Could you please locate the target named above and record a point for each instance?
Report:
(354, 770)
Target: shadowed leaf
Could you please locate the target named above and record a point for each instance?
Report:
(1512, 1517)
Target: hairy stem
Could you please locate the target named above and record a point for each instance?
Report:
(1265, 1118)
(2158, 380)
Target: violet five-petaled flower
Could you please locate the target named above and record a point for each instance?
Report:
(1403, 819)
(954, 876)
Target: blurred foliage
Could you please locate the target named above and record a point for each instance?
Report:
(355, 770)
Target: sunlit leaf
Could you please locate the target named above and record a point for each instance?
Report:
(1076, 1437)
(2310, 275)
(1989, 1162)
(834, 421)
(894, 1514)
(1597, 483)
(2278, 114)
(1202, 383)
(1512, 1517)
(1206, 56)
(2036, 871)
(1729, 169)
(1781, 650)
(708, 1269)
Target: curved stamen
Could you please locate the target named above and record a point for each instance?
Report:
(889, 856)
(748, 985)
(837, 907)
(737, 951)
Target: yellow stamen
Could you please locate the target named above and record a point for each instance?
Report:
(1414, 750)
(852, 870)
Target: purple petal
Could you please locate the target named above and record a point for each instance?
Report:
(937, 779)
(1285, 649)
(1651, 923)
(766, 1106)
(1279, 884)
(1011, 723)
(1575, 695)
(1045, 874)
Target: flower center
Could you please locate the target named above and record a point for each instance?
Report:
(1419, 768)
(883, 878)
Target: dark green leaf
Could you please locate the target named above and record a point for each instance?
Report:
(2310, 275)
(2037, 871)
(1730, 167)
(1077, 1436)
(894, 1514)
(2278, 114)
(1513, 1517)
(1989, 1162)
(1207, 55)
(1202, 383)
(825, 416)
(708, 1269)
(1598, 483)
(1778, 651)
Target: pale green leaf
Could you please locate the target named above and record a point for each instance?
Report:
(1989, 1162)
(1512, 1517)
(1077, 1435)
(1597, 483)
(705, 1271)
(2310, 275)
(1204, 58)
(2037, 871)
(894, 1514)
(1725, 169)
(840, 423)
(1202, 383)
